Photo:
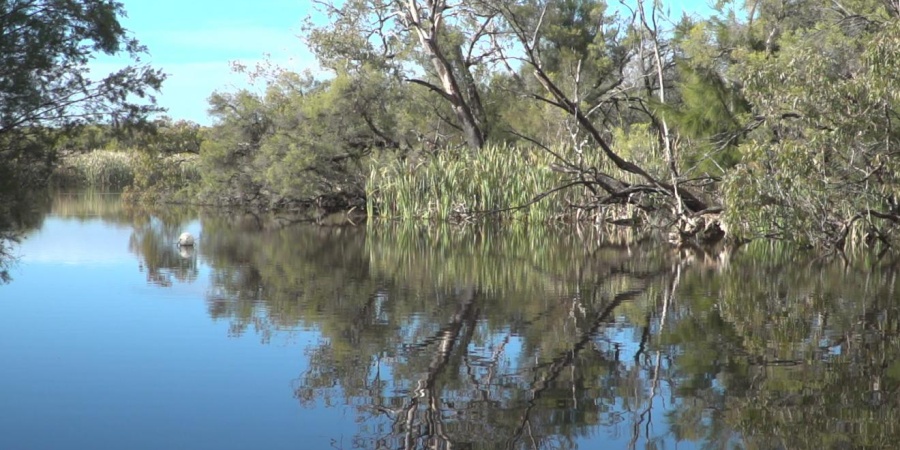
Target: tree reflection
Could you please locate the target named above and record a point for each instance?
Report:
(468, 338)
(541, 338)
(803, 355)
(154, 231)
(153, 240)
(20, 210)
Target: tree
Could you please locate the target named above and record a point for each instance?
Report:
(431, 43)
(46, 87)
(45, 83)
(565, 54)
(820, 159)
(587, 89)
(306, 142)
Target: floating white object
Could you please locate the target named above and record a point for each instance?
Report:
(186, 240)
(186, 252)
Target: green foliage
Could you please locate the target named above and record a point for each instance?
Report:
(433, 51)
(162, 135)
(785, 118)
(820, 163)
(304, 139)
(639, 143)
(156, 161)
(160, 177)
(709, 113)
(330, 133)
(152, 175)
(44, 80)
(228, 157)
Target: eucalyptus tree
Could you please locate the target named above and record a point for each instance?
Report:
(588, 86)
(819, 163)
(436, 44)
(570, 56)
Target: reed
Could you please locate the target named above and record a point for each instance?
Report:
(98, 169)
(458, 185)
(116, 170)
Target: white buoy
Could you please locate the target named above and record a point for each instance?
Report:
(186, 240)
(186, 252)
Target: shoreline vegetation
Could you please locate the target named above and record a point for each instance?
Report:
(762, 121)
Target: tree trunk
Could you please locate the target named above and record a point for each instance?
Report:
(451, 86)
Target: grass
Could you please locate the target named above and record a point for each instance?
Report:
(458, 185)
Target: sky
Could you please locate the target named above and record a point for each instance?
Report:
(194, 41)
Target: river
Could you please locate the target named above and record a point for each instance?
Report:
(269, 335)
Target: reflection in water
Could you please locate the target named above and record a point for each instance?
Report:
(163, 261)
(541, 338)
(19, 211)
(154, 234)
(546, 338)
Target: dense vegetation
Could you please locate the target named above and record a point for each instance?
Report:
(767, 119)
(46, 88)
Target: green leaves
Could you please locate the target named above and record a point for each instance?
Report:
(826, 114)
(45, 86)
(305, 139)
(43, 78)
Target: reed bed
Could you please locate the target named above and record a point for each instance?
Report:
(115, 170)
(97, 169)
(457, 184)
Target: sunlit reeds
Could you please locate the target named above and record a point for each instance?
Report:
(99, 168)
(499, 181)
(115, 170)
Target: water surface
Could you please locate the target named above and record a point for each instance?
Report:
(274, 336)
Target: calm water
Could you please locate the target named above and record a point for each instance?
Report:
(269, 336)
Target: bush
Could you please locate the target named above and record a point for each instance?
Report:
(158, 177)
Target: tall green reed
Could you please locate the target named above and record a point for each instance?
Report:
(99, 168)
(459, 184)
(118, 169)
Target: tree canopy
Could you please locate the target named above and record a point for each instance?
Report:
(45, 82)
(764, 120)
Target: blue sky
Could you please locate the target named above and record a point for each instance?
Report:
(194, 41)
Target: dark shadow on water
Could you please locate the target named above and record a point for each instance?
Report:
(20, 210)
